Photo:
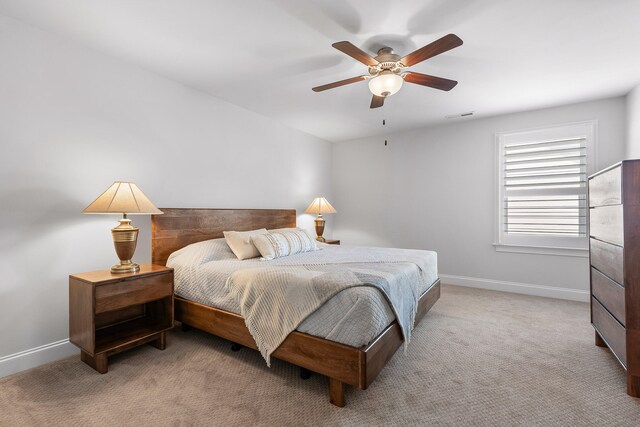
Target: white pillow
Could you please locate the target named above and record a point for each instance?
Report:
(240, 242)
(281, 243)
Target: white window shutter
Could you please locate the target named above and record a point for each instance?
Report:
(542, 188)
(545, 188)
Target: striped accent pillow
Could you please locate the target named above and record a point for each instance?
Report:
(276, 244)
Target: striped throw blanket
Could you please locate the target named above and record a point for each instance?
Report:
(274, 301)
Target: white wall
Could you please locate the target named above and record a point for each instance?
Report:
(71, 122)
(633, 124)
(433, 188)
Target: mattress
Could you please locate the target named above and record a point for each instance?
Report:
(353, 317)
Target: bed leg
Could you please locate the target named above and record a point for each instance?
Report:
(185, 327)
(599, 341)
(305, 374)
(336, 392)
(236, 347)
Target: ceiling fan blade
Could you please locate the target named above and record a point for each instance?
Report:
(377, 101)
(339, 83)
(431, 81)
(355, 53)
(439, 46)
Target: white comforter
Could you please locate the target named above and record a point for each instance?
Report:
(354, 316)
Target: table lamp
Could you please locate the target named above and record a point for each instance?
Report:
(123, 198)
(320, 206)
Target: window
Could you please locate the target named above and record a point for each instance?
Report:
(542, 189)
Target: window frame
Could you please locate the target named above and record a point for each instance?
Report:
(549, 245)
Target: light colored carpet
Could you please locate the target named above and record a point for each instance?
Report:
(478, 358)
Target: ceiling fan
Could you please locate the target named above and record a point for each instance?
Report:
(387, 70)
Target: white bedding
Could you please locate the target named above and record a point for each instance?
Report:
(354, 316)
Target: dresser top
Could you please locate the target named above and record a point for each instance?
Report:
(613, 166)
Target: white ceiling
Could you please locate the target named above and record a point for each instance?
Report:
(266, 55)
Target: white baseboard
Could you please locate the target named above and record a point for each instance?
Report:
(518, 288)
(34, 357)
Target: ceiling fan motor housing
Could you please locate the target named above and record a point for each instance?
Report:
(387, 60)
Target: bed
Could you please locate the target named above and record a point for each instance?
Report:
(346, 358)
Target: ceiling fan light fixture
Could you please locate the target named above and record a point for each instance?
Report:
(387, 70)
(385, 84)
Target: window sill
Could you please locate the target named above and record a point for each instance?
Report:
(542, 250)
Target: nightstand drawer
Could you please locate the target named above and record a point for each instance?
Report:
(115, 296)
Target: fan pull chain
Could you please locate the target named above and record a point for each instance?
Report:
(384, 123)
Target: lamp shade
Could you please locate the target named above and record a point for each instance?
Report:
(320, 206)
(122, 198)
(385, 84)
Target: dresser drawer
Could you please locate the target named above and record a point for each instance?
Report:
(606, 188)
(606, 224)
(608, 293)
(115, 296)
(610, 330)
(608, 259)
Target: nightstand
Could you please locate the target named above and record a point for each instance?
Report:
(332, 242)
(110, 313)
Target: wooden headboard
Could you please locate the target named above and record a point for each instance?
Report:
(178, 228)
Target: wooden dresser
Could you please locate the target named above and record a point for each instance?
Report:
(614, 218)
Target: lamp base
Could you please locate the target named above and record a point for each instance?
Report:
(125, 267)
(125, 239)
(319, 228)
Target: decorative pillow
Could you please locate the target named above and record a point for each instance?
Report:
(276, 244)
(240, 242)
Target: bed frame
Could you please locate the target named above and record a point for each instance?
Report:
(343, 364)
